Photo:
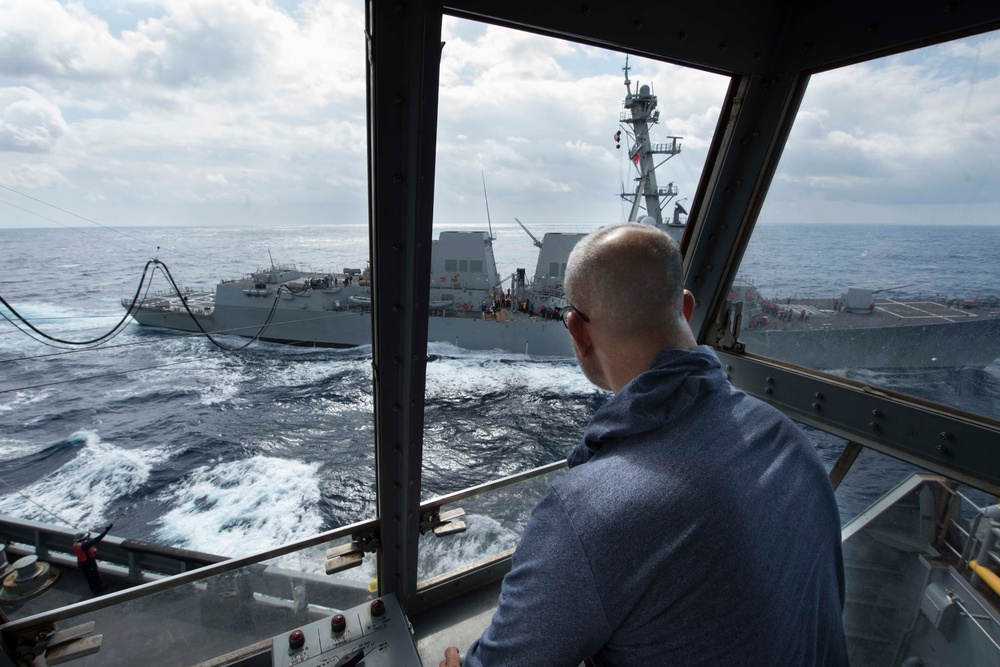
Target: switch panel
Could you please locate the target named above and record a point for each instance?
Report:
(373, 634)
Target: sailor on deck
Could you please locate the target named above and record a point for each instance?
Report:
(696, 524)
(85, 548)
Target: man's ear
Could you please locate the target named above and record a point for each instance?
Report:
(579, 331)
(689, 305)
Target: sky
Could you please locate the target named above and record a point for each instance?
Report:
(252, 112)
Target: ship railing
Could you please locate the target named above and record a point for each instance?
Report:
(669, 148)
(552, 291)
(130, 559)
(294, 583)
(251, 597)
(980, 543)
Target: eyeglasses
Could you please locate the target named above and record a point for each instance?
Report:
(567, 309)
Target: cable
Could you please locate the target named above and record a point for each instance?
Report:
(270, 315)
(234, 331)
(135, 304)
(110, 334)
(26, 497)
(76, 229)
(112, 229)
(96, 377)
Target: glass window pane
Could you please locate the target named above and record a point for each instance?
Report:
(535, 148)
(877, 252)
(230, 145)
(201, 621)
(911, 596)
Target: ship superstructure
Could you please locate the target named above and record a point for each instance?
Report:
(649, 199)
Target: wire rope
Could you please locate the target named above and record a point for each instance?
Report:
(110, 334)
(45, 509)
(77, 215)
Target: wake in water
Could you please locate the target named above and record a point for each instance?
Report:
(234, 453)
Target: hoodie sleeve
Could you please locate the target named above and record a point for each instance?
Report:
(549, 612)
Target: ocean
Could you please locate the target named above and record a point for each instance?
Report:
(181, 443)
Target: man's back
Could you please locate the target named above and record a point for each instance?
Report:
(697, 526)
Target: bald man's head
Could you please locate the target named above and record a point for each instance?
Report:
(627, 279)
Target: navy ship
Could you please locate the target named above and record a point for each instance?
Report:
(473, 307)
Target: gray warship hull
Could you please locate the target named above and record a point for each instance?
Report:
(468, 330)
(952, 337)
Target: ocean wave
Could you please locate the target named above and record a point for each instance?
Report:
(240, 507)
(484, 537)
(21, 399)
(463, 374)
(81, 491)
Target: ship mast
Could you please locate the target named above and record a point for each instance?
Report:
(641, 112)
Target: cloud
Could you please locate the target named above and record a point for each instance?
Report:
(30, 176)
(191, 106)
(900, 131)
(187, 94)
(44, 38)
(28, 122)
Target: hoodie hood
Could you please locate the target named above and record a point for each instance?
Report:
(651, 400)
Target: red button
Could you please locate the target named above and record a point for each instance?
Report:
(296, 640)
(378, 608)
(338, 623)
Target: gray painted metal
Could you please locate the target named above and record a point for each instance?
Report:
(762, 47)
(10, 630)
(955, 444)
(404, 57)
(140, 560)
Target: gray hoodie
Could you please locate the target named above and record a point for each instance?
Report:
(695, 526)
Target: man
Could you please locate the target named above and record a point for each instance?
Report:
(85, 549)
(696, 524)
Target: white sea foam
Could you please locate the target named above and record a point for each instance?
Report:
(20, 399)
(484, 536)
(13, 449)
(316, 372)
(450, 374)
(81, 490)
(242, 507)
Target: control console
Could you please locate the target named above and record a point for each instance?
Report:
(373, 634)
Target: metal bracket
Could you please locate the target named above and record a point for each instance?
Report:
(351, 554)
(59, 646)
(442, 523)
(728, 338)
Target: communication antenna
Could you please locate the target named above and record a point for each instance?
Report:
(488, 222)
